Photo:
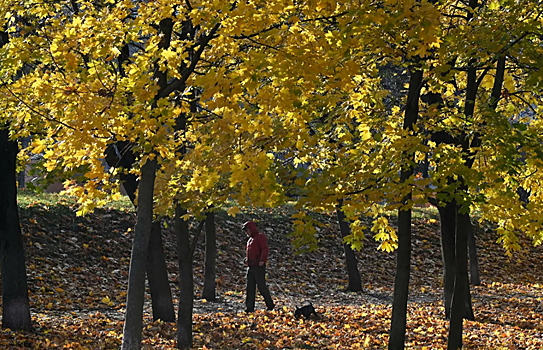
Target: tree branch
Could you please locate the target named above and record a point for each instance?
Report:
(195, 239)
(179, 84)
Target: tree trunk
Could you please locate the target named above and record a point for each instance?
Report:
(157, 275)
(186, 287)
(208, 292)
(473, 259)
(403, 263)
(447, 216)
(355, 281)
(15, 303)
(401, 281)
(461, 303)
(463, 223)
(138, 260)
(120, 155)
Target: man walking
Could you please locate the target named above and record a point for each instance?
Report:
(257, 255)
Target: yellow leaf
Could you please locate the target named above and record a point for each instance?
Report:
(367, 341)
(39, 146)
(106, 300)
(233, 211)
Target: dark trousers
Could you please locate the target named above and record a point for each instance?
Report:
(256, 276)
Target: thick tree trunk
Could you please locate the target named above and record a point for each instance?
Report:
(15, 303)
(355, 281)
(403, 263)
(208, 292)
(157, 275)
(138, 260)
(186, 287)
(473, 258)
(461, 304)
(447, 216)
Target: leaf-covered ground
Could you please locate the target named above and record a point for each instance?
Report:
(78, 270)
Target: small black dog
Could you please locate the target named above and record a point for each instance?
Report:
(305, 311)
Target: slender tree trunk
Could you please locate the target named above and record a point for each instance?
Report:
(186, 287)
(138, 260)
(461, 303)
(463, 223)
(447, 216)
(15, 303)
(473, 259)
(401, 281)
(403, 263)
(157, 275)
(461, 295)
(208, 292)
(355, 281)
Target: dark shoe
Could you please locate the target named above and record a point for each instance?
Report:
(270, 308)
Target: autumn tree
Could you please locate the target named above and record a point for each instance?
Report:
(481, 80)
(15, 301)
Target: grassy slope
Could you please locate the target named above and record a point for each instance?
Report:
(78, 268)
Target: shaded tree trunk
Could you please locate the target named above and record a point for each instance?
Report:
(463, 223)
(15, 303)
(461, 303)
(186, 283)
(208, 292)
(355, 281)
(138, 260)
(473, 258)
(157, 275)
(447, 216)
(403, 263)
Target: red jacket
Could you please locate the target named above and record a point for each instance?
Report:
(257, 246)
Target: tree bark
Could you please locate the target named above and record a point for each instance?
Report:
(157, 275)
(473, 258)
(355, 281)
(461, 303)
(208, 292)
(447, 216)
(15, 302)
(403, 263)
(186, 283)
(138, 260)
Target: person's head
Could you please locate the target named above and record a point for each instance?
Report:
(250, 228)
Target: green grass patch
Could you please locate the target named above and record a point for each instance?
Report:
(52, 201)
